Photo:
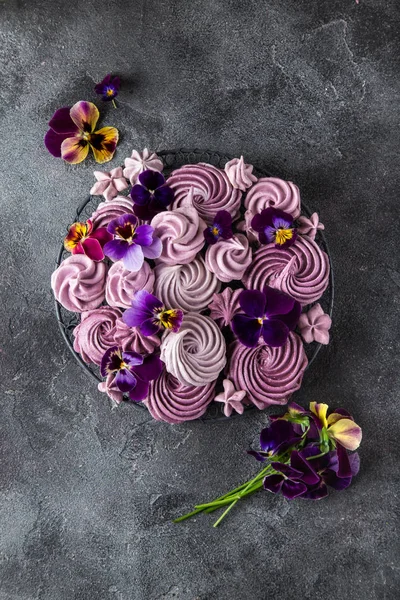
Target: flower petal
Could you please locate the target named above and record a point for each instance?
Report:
(103, 143)
(354, 460)
(252, 302)
(316, 493)
(125, 380)
(153, 251)
(53, 141)
(335, 482)
(150, 369)
(120, 222)
(74, 150)
(110, 361)
(133, 259)
(61, 122)
(140, 195)
(85, 116)
(140, 391)
(164, 195)
(278, 433)
(93, 249)
(347, 433)
(149, 327)
(116, 249)
(247, 329)
(132, 359)
(276, 302)
(151, 180)
(320, 411)
(310, 477)
(273, 483)
(144, 235)
(102, 235)
(293, 489)
(275, 333)
(258, 455)
(343, 464)
(287, 470)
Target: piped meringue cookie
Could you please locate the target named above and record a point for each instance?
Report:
(181, 234)
(231, 398)
(96, 333)
(107, 211)
(225, 306)
(188, 287)
(122, 284)
(229, 259)
(301, 271)
(240, 174)
(141, 161)
(196, 354)
(109, 184)
(310, 226)
(130, 339)
(269, 375)
(173, 402)
(314, 325)
(212, 190)
(79, 283)
(109, 387)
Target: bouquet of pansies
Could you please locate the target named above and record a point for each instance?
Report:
(193, 288)
(305, 452)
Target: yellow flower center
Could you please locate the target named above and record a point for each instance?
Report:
(110, 92)
(215, 231)
(283, 235)
(166, 318)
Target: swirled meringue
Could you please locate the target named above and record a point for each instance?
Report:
(121, 285)
(225, 306)
(139, 162)
(130, 339)
(197, 353)
(212, 190)
(269, 375)
(79, 283)
(173, 402)
(188, 287)
(181, 233)
(302, 271)
(229, 259)
(96, 333)
(239, 174)
(107, 211)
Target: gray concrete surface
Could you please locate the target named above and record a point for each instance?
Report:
(307, 89)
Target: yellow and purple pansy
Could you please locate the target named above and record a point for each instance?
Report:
(274, 226)
(108, 88)
(150, 316)
(82, 239)
(73, 131)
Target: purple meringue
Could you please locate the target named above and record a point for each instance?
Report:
(314, 325)
(130, 339)
(109, 184)
(225, 306)
(79, 283)
(139, 162)
(108, 211)
(240, 174)
(121, 284)
(231, 398)
(229, 259)
(309, 226)
(95, 333)
(110, 388)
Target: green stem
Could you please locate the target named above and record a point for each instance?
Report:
(113, 103)
(225, 513)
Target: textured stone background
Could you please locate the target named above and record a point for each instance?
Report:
(306, 88)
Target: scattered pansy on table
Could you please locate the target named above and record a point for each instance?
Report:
(194, 287)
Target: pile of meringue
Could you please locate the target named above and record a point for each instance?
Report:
(204, 282)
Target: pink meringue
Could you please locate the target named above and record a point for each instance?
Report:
(79, 283)
(314, 325)
(130, 338)
(96, 333)
(109, 184)
(108, 387)
(139, 162)
(240, 174)
(107, 211)
(231, 398)
(121, 284)
(229, 259)
(310, 226)
(225, 306)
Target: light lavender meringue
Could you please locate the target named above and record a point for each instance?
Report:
(141, 161)
(240, 174)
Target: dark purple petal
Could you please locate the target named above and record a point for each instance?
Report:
(110, 362)
(344, 413)
(140, 195)
(210, 237)
(316, 493)
(132, 359)
(275, 333)
(263, 219)
(291, 318)
(61, 122)
(278, 433)
(313, 432)
(125, 380)
(98, 88)
(164, 195)
(134, 317)
(223, 220)
(344, 469)
(121, 222)
(247, 329)
(149, 327)
(267, 236)
(273, 483)
(354, 460)
(318, 464)
(151, 180)
(150, 369)
(147, 301)
(276, 302)
(287, 470)
(293, 489)
(144, 235)
(258, 455)
(252, 303)
(116, 249)
(134, 258)
(310, 477)
(279, 222)
(335, 482)
(140, 391)
(148, 211)
(53, 141)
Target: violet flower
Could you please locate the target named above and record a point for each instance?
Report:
(221, 228)
(271, 314)
(151, 195)
(275, 438)
(150, 316)
(82, 239)
(291, 479)
(108, 88)
(132, 243)
(132, 371)
(274, 226)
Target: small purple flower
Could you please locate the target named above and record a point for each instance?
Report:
(150, 316)
(292, 480)
(274, 226)
(221, 228)
(271, 314)
(108, 88)
(132, 371)
(151, 195)
(131, 243)
(275, 438)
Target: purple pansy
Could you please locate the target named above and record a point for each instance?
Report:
(270, 313)
(292, 480)
(132, 371)
(150, 316)
(151, 195)
(221, 228)
(274, 226)
(277, 437)
(131, 243)
(108, 88)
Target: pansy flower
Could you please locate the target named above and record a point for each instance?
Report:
(151, 195)
(275, 438)
(81, 239)
(292, 479)
(274, 226)
(270, 313)
(150, 316)
(132, 371)
(221, 228)
(108, 88)
(73, 130)
(339, 425)
(132, 243)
